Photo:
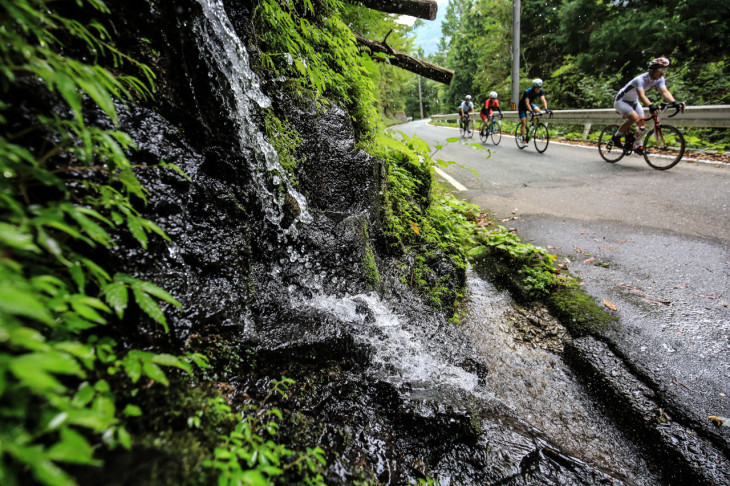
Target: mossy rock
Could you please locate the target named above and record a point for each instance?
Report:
(579, 312)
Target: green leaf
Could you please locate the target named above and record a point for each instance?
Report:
(132, 411)
(150, 307)
(22, 302)
(14, 237)
(135, 227)
(116, 295)
(154, 372)
(73, 448)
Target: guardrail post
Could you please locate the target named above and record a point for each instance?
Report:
(586, 129)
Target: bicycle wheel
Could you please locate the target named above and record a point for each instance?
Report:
(518, 138)
(609, 152)
(462, 130)
(541, 136)
(483, 134)
(469, 131)
(496, 132)
(663, 147)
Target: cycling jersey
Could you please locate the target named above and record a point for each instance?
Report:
(529, 94)
(467, 107)
(643, 82)
(489, 106)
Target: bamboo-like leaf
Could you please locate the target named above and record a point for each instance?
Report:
(150, 307)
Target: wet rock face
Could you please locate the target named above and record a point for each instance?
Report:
(395, 392)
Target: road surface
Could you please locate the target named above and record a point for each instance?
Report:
(656, 244)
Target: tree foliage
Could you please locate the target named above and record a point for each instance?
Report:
(585, 50)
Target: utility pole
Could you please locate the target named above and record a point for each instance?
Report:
(420, 100)
(515, 53)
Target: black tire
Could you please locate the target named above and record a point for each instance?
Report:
(496, 132)
(609, 152)
(469, 131)
(541, 137)
(483, 133)
(518, 137)
(461, 129)
(663, 147)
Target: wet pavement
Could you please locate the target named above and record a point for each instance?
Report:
(671, 294)
(523, 349)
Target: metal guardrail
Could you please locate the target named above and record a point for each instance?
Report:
(714, 116)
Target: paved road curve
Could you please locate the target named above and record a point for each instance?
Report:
(662, 241)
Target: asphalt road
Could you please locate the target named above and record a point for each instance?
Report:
(656, 244)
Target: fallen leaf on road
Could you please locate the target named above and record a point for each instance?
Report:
(654, 301)
(579, 250)
(606, 247)
(709, 296)
(680, 383)
(583, 232)
(589, 260)
(681, 286)
(610, 305)
(719, 421)
(723, 303)
(629, 287)
(621, 240)
(550, 247)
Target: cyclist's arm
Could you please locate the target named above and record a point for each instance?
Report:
(544, 102)
(666, 95)
(528, 104)
(642, 97)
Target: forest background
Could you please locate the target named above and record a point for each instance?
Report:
(584, 50)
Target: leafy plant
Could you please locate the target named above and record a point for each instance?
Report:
(65, 186)
(246, 456)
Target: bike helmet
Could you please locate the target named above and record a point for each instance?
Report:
(659, 62)
(493, 94)
(468, 97)
(537, 83)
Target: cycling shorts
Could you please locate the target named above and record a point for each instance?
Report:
(523, 114)
(625, 108)
(484, 117)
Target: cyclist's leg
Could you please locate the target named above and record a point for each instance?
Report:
(523, 120)
(485, 120)
(632, 113)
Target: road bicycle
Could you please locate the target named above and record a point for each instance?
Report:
(536, 131)
(493, 129)
(663, 145)
(465, 128)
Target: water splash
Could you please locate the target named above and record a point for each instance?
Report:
(229, 56)
(400, 355)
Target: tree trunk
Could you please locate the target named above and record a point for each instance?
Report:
(404, 61)
(424, 9)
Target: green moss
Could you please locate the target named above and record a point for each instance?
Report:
(579, 312)
(370, 267)
(576, 309)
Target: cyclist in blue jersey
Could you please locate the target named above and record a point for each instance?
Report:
(527, 103)
(627, 100)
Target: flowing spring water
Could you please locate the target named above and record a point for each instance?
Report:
(401, 354)
(229, 56)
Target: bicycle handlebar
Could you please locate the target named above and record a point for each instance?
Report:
(677, 105)
(547, 112)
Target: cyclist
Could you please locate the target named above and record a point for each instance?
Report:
(527, 103)
(487, 110)
(466, 108)
(627, 100)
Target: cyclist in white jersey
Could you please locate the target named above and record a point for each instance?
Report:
(629, 98)
(466, 108)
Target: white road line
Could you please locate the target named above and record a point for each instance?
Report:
(450, 180)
